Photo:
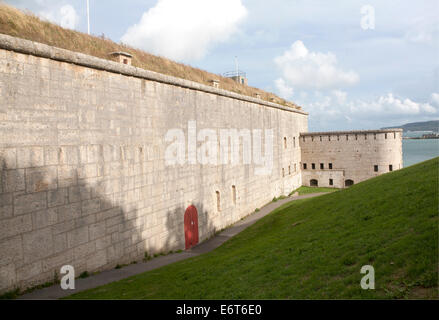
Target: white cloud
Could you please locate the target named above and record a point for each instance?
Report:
(284, 91)
(340, 96)
(385, 110)
(390, 105)
(186, 30)
(435, 98)
(65, 16)
(304, 69)
(423, 30)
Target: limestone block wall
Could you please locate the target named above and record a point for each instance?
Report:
(323, 178)
(83, 176)
(355, 153)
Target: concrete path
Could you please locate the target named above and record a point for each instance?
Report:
(105, 277)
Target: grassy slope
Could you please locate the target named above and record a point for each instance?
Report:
(390, 222)
(307, 190)
(27, 26)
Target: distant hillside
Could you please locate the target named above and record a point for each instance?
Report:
(419, 126)
(27, 26)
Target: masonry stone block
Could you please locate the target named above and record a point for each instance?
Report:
(84, 250)
(8, 157)
(97, 230)
(30, 157)
(63, 227)
(77, 237)
(44, 218)
(69, 212)
(25, 203)
(37, 245)
(7, 276)
(51, 155)
(69, 155)
(59, 243)
(56, 262)
(12, 180)
(11, 250)
(97, 260)
(15, 226)
(29, 271)
(87, 171)
(41, 179)
(74, 194)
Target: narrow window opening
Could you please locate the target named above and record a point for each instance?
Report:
(365, 137)
(320, 138)
(289, 170)
(313, 166)
(375, 168)
(234, 195)
(356, 137)
(294, 142)
(338, 138)
(304, 166)
(322, 166)
(330, 166)
(390, 167)
(295, 168)
(374, 136)
(331, 182)
(347, 137)
(385, 136)
(283, 172)
(285, 142)
(394, 135)
(218, 201)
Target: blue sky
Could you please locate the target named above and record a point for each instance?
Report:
(350, 64)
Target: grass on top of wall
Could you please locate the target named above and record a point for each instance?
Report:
(27, 26)
(315, 248)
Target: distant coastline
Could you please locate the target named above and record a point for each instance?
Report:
(429, 126)
(420, 138)
(428, 135)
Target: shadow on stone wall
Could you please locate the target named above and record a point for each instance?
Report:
(46, 222)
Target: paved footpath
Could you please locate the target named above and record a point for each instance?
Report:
(105, 277)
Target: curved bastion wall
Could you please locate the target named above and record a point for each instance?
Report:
(99, 161)
(349, 157)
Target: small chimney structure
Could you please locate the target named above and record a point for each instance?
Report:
(215, 83)
(122, 57)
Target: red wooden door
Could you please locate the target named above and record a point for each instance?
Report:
(191, 227)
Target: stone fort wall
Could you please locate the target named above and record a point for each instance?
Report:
(83, 177)
(349, 155)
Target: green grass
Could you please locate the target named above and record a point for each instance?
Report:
(315, 248)
(307, 190)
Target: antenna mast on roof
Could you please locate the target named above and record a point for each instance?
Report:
(236, 65)
(88, 16)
